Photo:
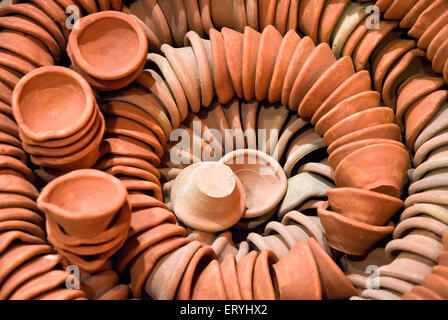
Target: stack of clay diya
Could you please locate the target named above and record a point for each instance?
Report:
(87, 216)
(60, 124)
(417, 239)
(29, 39)
(125, 44)
(435, 284)
(427, 22)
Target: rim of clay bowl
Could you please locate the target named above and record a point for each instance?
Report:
(112, 206)
(96, 72)
(89, 103)
(275, 169)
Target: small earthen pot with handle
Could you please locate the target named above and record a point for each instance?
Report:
(83, 202)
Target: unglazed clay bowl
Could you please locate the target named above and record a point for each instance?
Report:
(335, 284)
(363, 205)
(83, 202)
(349, 235)
(108, 45)
(263, 179)
(208, 196)
(343, 151)
(52, 103)
(297, 276)
(380, 167)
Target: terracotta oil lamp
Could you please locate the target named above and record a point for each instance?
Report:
(73, 201)
(207, 187)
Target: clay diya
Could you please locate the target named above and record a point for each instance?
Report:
(335, 284)
(27, 47)
(208, 196)
(343, 151)
(309, 17)
(365, 206)
(87, 49)
(354, 104)
(301, 53)
(419, 242)
(357, 83)
(269, 46)
(424, 223)
(349, 235)
(385, 56)
(275, 243)
(365, 168)
(297, 275)
(408, 65)
(285, 53)
(436, 126)
(29, 27)
(233, 45)
(330, 80)
(302, 187)
(352, 16)
(209, 284)
(72, 200)
(138, 243)
(370, 41)
(245, 272)
(171, 81)
(36, 102)
(251, 42)
(230, 277)
(413, 90)
(203, 53)
(36, 14)
(417, 117)
(270, 118)
(433, 31)
(167, 273)
(428, 16)
(186, 69)
(315, 66)
(257, 171)
(303, 145)
(331, 12)
(360, 120)
(389, 131)
(196, 265)
(263, 287)
(221, 77)
(152, 15)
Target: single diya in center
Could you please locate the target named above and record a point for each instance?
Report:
(214, 196)
(263, 178)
